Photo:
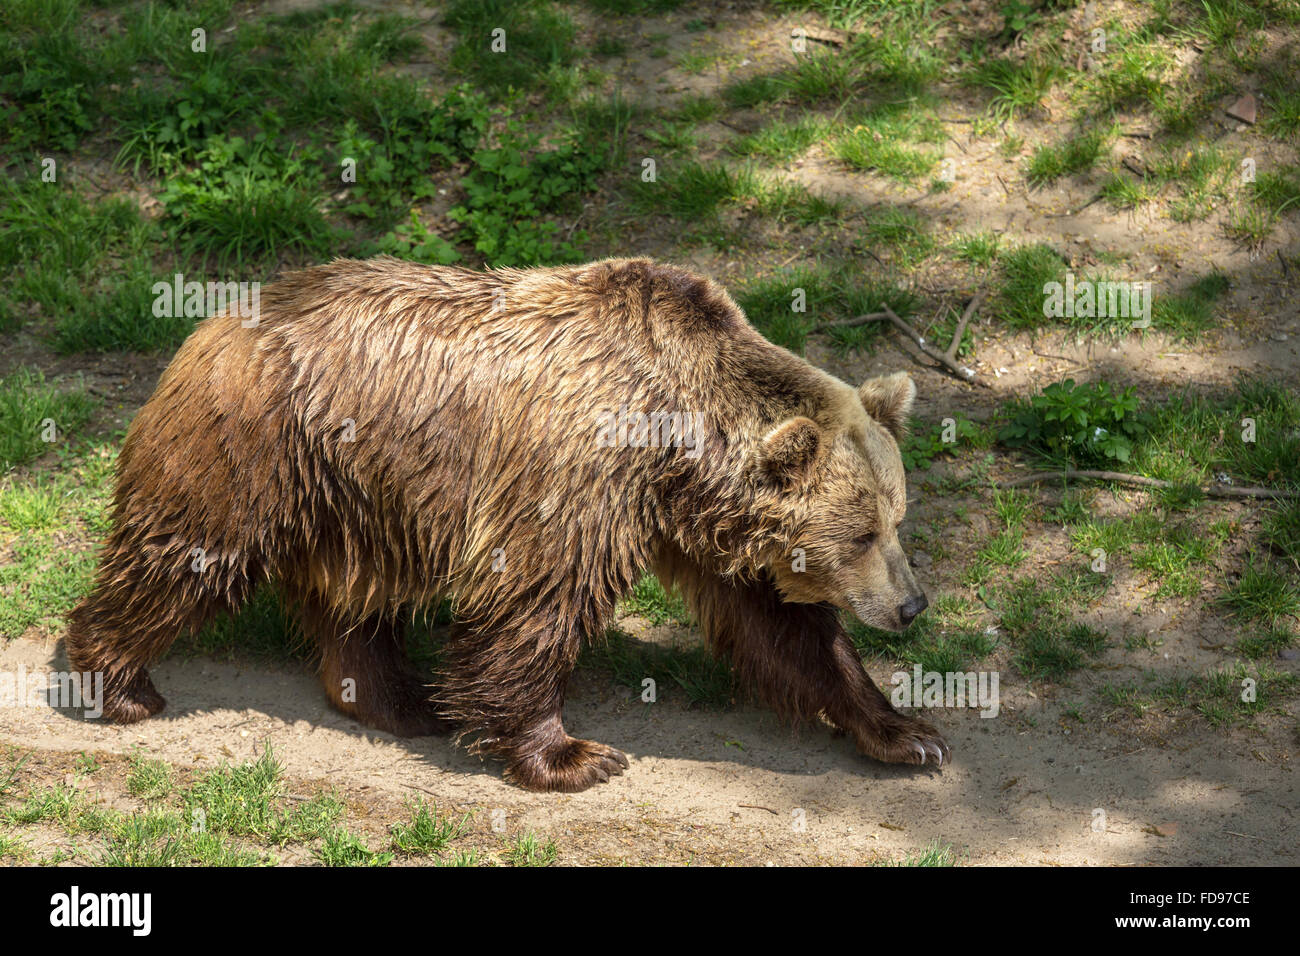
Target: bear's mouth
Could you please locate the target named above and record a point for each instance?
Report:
(874, 614)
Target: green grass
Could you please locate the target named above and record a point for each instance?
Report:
(1017, 87)
(1217, 695)
(1134, 75)
(341, 847)
(826, 292)
(933, 854)
(45, 521)
(61, 804)
(83, 270)
(692, 190)
(1189, 438)
(1036, 616)
(527, 850)
(244, 202)
(1281, 531)
(1122, 191)
(650, 601)
(35, 415)
(898, 144)
(235, 815)
(979, 249)
(1250, 225)
(263, 629)
(1187, 315)
(149, 779)
(1020, 297)
(782, 140)
(1077, 153)
(789, 202)
(246, 800)
(902, 232)
(40, 582)
(426, 833)
(1265, 643)
(1263, 594)
(1199, 174)
(691, 670)
(538, 35)
(947, 638)
(754, 91)
(1278, 191)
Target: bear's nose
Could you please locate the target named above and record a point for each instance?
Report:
(912, 607)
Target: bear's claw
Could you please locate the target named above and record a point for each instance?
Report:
(570, 766)
(908, 740)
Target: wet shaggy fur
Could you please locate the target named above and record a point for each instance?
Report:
(388, 434)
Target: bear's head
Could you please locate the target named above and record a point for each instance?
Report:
(837, 497)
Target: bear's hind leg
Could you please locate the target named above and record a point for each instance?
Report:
(507, 690)
(366, 673)
(138, 607)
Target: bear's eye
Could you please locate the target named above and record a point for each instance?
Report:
(865, 540)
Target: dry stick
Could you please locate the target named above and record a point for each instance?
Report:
(947, 359)
(963, 322)
(1213, 491)
(943, 358)
(849, 323)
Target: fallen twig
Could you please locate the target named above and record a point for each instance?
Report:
(971, 306)
(1213, 491)
(943, 358)
(947, 359)
(1246, 835)
(850, 323)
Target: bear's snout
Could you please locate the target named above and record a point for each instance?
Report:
(913, 606)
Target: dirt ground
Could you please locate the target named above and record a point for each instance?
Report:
(736, 787)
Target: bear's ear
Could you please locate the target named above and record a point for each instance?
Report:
(789, 450)
(888, 399)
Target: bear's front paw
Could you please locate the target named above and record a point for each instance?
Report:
(569, 766)
(905, 740)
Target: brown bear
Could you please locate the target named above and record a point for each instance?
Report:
(385, 434)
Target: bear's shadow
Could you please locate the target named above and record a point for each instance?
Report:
(235, 695)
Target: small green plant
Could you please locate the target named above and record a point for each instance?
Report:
(426, 833)
(1282, 531)
(341, 847)
(149, 779)
(510, 190)
(933, 854)
(1263, 594)
(925, 442)
(415, 241)
(528, 851)
(244, 200)
(651, 601)
(1083, 424)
